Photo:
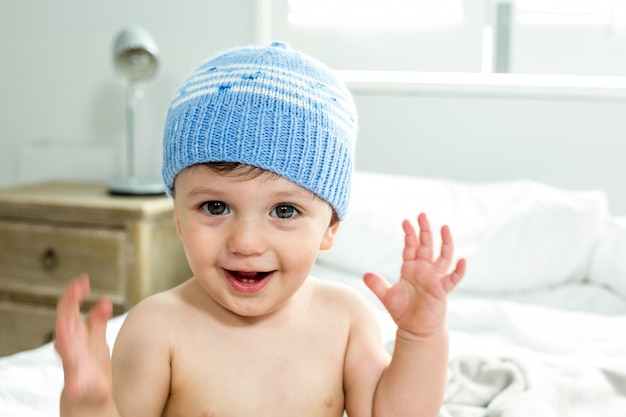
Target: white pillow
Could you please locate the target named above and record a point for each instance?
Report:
(608, 266)
(516, 235)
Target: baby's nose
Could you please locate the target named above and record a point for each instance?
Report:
(247, 238)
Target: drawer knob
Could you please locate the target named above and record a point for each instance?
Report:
(49, 260)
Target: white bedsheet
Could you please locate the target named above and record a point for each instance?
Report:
(530, 360)
(31, 381)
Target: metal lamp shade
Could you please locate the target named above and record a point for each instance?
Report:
(135, 54)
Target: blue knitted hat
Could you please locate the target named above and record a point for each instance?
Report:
(272, 107)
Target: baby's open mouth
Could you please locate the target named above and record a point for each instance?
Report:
(248, 277)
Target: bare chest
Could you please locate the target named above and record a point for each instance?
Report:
(259, 374)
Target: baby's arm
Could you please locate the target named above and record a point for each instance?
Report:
(81, 343)
(414, 382)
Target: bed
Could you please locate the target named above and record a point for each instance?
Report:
(537, 326)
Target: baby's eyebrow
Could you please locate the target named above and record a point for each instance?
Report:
(203, 189)
(200, 190)
(298, 193)
(295, 193)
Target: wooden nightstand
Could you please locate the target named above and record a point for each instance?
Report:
(51, 232)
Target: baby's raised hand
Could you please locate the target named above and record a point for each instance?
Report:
(417, 302)
(81, 343)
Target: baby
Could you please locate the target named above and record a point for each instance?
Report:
(258, 156)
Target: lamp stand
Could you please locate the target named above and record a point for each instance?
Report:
(132, 185)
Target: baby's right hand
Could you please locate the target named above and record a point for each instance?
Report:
(81, 343)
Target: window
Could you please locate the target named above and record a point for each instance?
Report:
(398, 35)
(568, 12)
(582, 37)
(376, 13)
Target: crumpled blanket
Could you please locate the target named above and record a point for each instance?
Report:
(501, 387)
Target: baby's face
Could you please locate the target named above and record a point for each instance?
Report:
(251, 243)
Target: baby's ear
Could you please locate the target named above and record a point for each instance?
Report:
(329, 236)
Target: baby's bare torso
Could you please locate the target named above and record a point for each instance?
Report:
(290, 364)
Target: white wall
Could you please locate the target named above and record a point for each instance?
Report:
(62, 109)
(569, 143)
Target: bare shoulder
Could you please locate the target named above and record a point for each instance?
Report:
(333, 291)
(342, 299)
(176, 296)
(347, 305)
(148, 325)
(156, 311)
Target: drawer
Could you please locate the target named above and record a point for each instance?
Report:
(24, 326)
(40, 258)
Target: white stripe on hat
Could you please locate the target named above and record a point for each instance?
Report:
(341, 119)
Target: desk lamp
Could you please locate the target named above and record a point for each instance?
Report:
(136, 59)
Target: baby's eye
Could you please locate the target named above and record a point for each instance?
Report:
(215, 208)
(284, 211)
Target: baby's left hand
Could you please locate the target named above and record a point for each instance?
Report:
(417, 302)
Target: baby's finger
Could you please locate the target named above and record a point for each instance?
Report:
(451, 280)
(411, 244)
(97, 322)
(447, 250)
(425, 249)
(68, 318)
(377, 284)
